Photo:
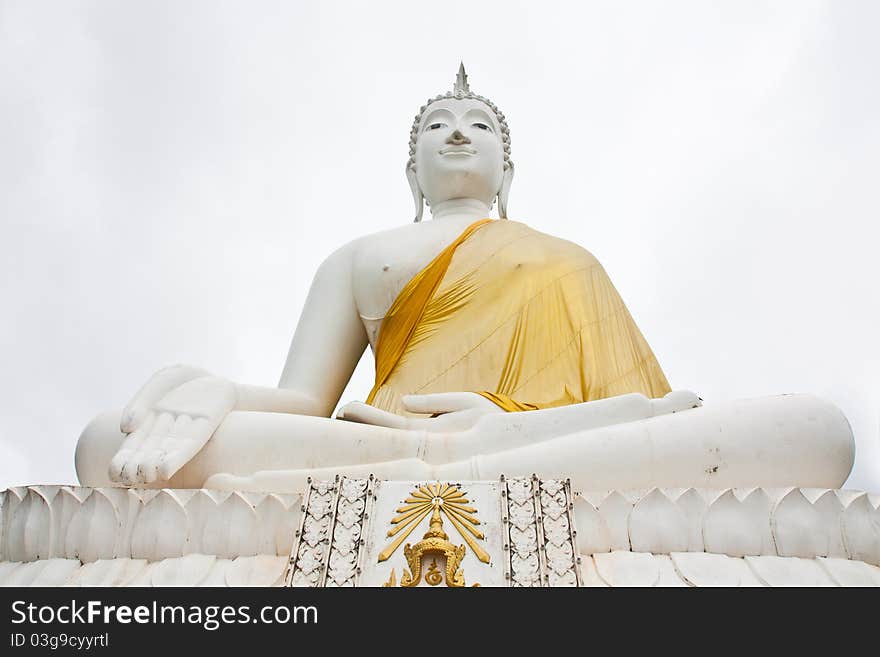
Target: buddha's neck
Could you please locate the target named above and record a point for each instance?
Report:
(459, 208)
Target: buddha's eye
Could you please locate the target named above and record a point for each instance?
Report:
(434, 126)
(482, 126)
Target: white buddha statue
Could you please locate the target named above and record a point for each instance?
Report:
(498, 350)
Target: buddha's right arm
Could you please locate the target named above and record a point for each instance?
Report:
(326, 347)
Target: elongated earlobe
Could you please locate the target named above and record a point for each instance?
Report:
(504, 192)
(418, 199)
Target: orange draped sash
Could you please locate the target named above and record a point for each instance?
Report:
(402, 318)
(512, 314)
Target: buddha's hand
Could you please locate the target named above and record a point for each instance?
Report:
(168, 421)
(676, 401)
(450, 411)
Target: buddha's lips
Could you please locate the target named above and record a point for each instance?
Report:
(457, 150)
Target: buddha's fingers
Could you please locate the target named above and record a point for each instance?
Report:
(454, 421)
(159, 444)
(118, 470)
(153, 390)
(136, 465)
(130, 447)
(184, 446)
(675, 401)
(443, 402)
(366, 414)
(116, 463)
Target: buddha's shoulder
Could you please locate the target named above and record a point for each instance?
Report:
(551, 246)
(372, 243)
(395, 235)
(383, 242)
(401, 240)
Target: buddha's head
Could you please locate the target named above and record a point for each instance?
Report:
(459, 147)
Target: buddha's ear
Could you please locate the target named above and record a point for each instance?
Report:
(504, 192)
(418, 199)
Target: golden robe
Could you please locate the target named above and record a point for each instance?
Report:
(525, 319)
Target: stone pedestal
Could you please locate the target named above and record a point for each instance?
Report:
(510, 532)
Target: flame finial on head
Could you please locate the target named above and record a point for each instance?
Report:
(461, 83)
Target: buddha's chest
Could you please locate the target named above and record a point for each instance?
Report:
(384, 265)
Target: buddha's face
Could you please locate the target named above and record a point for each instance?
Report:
(459, 151)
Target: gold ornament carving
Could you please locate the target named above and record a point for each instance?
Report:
(438, 500)
(451, 502)
(433, 576)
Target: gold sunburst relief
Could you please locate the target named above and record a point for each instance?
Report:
(446, 499)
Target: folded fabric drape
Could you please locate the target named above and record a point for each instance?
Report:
(526, 319)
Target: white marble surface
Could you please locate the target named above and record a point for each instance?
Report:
(738, 522)
(621, 568)
(71, 522)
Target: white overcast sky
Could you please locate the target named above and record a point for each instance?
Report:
(172, 173)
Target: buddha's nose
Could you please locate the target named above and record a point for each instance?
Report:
(457, 139)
